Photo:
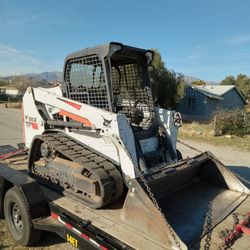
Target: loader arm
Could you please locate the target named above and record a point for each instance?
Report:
(107, 133)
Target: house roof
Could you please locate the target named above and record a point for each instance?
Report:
(205, 91)
(9, 87)
(216, 91)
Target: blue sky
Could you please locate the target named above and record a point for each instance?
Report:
(206, 39)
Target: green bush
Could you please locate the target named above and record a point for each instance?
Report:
(235, 122)
(3, 98)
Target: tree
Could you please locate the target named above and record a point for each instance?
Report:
(22, 82)
(198, 82)
(167, 85)
(242, 82)
(229, 80)
(3, 83)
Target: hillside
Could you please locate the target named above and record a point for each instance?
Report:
(46, 76)
(190, 79)
(41, 77)
(58, 76)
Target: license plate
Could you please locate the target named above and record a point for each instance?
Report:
(72, 240)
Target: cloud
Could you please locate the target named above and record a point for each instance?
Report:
(198, 53)
(215, 58)
(20, 61)
(15, 20)
(12, 54)
(238, 40)
(18, 19)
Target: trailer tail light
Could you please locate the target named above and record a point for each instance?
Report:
(79, 233)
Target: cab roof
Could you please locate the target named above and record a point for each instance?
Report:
(107, 50)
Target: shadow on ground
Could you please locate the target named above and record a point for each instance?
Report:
(242, 171)
(49, 239)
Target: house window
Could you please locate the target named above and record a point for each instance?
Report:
(191, 104)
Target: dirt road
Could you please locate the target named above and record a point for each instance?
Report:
(237, 160)
(11, 134)
(228, 155)
(10, 126)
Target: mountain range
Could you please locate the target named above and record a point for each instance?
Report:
(58, 76)
(190, 79)
(46, 76)
(41, 77)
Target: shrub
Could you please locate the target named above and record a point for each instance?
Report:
(235, 122)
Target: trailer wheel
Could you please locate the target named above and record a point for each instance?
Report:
(179, 155)
(18, 219)
(3, 189)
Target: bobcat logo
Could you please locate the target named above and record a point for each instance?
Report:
(106, 122)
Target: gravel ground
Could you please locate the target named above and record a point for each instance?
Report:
(237, 160)
(228, 155)
(11, 134)
(10, 126)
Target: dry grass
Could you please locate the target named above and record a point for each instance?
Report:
(248, 108)
(15, 105)
(205, 132)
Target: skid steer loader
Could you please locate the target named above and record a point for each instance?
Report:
(100, 139)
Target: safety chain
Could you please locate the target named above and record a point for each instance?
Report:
(145, 183)
(230, 236)
(199, 151)
(158, 207)
(223, 233)
(236, 218)
(13, 154)
(208, 227)
(14, 157)
(225, 246)
(191, 147)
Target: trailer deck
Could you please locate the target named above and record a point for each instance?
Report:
(214, 241)
(108, 220)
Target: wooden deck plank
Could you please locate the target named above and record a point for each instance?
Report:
(109, 221)
(241, 243)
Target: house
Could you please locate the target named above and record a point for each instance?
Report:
(10, 90)
(201, 102)
(10, 93)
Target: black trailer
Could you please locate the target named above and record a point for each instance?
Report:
(30, 208)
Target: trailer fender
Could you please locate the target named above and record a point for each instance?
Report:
(30, 188)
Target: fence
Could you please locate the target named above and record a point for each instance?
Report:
(10, 101)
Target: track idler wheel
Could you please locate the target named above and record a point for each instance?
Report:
(47, 152)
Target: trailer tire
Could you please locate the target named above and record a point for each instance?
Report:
(179, 155)
(18, 218)
(3, 189)
(1, 203)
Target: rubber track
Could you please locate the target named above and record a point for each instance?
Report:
(107, 172)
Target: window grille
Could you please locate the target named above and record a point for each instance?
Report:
(86, 81)
(130, 93)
